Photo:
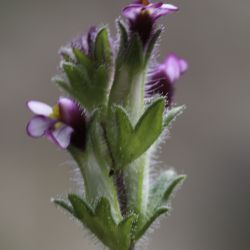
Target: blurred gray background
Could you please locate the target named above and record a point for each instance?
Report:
(210, 142)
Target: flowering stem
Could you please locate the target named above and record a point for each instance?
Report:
(96, 185)
(119, 107)
(121, 190)
(118, 177)
(137, 187)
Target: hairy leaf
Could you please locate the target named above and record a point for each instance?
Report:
(63, 204)
(172, 114)
(133, 142)
(83, 60)
(146, 131)
(125, 128)
(158, 199)
(101, 223)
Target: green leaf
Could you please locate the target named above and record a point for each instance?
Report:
(125, 128)
(63, 204)
(100, 221)
(102, 50)
(100, 80)
(146, 132)
(78, 76)
(63, 85)
(163, 188)
(82, 210)
(172, 114)
(82, 59)
(158, 199)
(147, 222)
(131, 142)
(152, 44)
(89, 88)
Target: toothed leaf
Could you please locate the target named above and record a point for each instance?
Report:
(82, 211)
(158, 198)
(146, 132)
(163, 188)
(100, 222)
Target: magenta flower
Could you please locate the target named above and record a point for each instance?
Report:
(63, 124)
(142, 16)
(162, 79)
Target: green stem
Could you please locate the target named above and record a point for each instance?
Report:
(137, 182)
(121, 191)
(97, 182)
(118, 177)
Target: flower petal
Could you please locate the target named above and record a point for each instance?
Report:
(157, 11)
(172, 68)
(38, 126)
(183, 65)
(61, 136)
(39, 108)
(70, 112)
(132, 10)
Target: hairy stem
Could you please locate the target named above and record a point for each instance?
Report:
(121, 190)
(118, 176)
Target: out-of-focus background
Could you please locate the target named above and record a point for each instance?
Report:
(210, 142)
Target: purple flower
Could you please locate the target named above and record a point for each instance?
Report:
(142, 16)
(162, 79)
(63, 124)
(82, 42)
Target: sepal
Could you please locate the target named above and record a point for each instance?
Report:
(123, 42)
(135, 54)
(151, 45)
(129, 78)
